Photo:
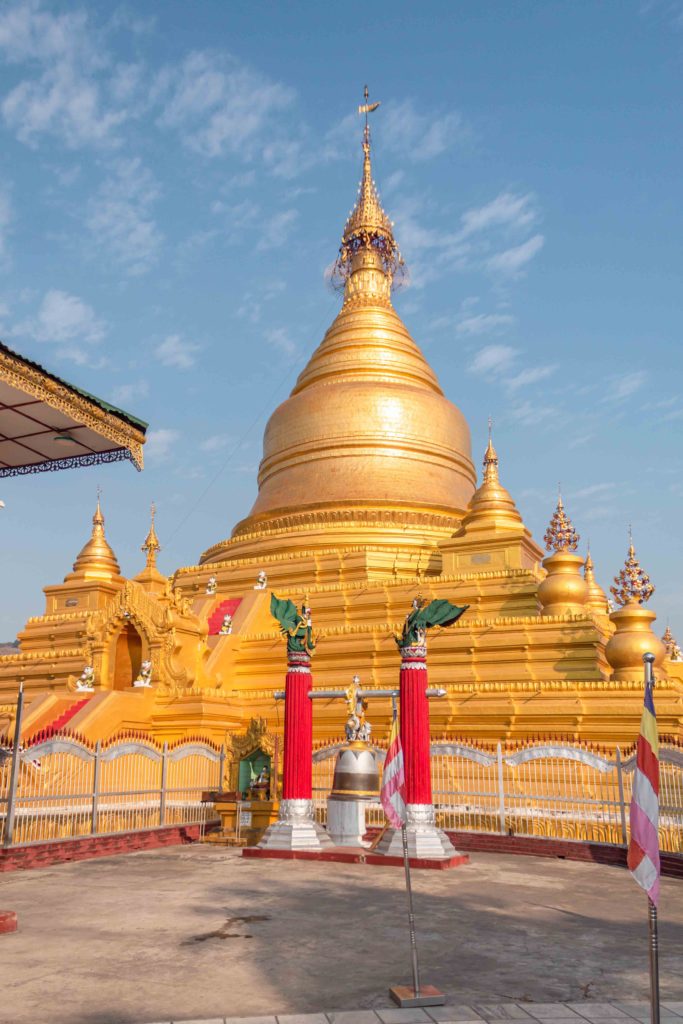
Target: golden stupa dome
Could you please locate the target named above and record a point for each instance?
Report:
(96, 560)
(367, 425)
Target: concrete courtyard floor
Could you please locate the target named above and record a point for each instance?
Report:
(199, 932)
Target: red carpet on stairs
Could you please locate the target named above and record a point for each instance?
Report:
(222, 609)
(67, 715)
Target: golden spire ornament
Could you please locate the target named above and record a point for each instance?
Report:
(632, 584)
(151, 545)
(368, 242)
(673, 651)
(490, 459)
(96, 559)
(561, 535)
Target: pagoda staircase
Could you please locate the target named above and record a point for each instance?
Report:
(223, 608)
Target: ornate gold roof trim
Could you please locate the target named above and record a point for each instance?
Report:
(123, 429)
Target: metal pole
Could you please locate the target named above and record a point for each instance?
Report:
(95, 787)
(164, 773)
(648, 661)
(14, 773)
(221, 769)
(501, 789)
(654, 961)
(622, 802)
(409, 889)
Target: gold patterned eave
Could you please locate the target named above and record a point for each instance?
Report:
(125, 431)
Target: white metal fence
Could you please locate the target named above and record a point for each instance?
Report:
(554, 791)
(63, 787)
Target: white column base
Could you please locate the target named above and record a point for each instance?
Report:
(425, 840)
(295, 829)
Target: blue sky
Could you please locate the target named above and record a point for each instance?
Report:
(174, 179)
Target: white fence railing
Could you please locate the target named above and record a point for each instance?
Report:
(62, 788)
(554, 791)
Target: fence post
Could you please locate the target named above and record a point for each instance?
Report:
(622, 802)
(221, 768)
(164, 774)
(95, 787)
(501, 789)
(14, 771)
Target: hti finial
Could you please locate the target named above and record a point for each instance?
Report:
(632, 583)
(561, 535)
(151, 545)
(490, 458)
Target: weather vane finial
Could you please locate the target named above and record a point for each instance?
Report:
(367, 108)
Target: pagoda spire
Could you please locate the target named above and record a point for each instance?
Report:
(96, 558)
(151, 545)
(369, 258)
(490, 459)
(150, 578)
(632, 584)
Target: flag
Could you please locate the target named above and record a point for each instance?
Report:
(393, 780)
(643, 851)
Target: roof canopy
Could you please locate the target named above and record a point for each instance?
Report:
(48, 424)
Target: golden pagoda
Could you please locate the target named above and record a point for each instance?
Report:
(367, 495)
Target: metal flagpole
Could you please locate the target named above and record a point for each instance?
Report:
(654, 961)
(419, 995)
(649, 660)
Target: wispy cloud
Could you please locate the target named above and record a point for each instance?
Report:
(216, 443)
(160, 444)
(494, 359)
(506, 210)
(529, 413)
(276, 231)
(513, 260)
(62, 94)
(625, 385)
(484, 323)
(529, 376)
(219, 105)
(131, 392)
(66, 321)
(416, 136)
(119, 216)
(279, 338)
(177, 352)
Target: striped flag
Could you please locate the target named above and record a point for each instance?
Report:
(393, 780)
(643, 851)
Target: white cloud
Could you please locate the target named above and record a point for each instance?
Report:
(174, 351)
(625, 385)
(484, 323)
(279, 338)
(506, 210)
(160, 443)
(66, 321)
(276, 231)
(119, 216)
(512, 261)
(493, 359)
(132, 392)
(529, 376)
(528, 413)
(220, 105)
(67, 65)
(419, 136)
(216, 443)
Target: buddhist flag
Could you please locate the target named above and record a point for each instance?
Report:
(643, 851)
(393, 780)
